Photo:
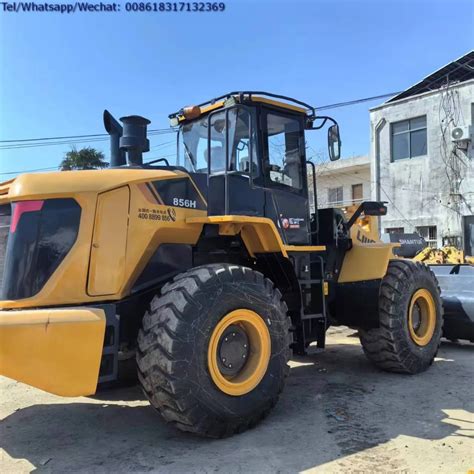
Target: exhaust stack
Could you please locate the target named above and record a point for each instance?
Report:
(114, 129)
(134, 139)
(131, 138)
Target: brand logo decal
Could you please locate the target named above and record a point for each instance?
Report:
(292, 222)
(362, 238)
(172, 213)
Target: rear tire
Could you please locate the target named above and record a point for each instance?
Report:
(177, 368)
(410, 313)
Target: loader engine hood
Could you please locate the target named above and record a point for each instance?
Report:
(57, 184)
(69, 232)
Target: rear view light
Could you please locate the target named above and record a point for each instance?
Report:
(20, 208)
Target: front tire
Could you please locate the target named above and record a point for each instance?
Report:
(213, 349)
(410, 317)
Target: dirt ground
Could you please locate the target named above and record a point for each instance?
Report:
(337, 414)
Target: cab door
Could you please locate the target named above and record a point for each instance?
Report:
(233, 164)
(285, 175)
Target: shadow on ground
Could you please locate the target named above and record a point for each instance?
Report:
(335, 404)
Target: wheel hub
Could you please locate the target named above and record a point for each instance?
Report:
(422, 317)
(233, 350)
(416, 317)
(239, 352)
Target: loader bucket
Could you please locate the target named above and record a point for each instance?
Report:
(457, 292)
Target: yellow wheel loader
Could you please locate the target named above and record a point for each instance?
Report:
(204, 274)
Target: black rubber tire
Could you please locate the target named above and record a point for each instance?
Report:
(173, 346)
(390, 347)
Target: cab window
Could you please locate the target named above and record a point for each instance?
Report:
(217, 141)
(227, 131)
(192, 146)
(231, 129)
(242, 151)
(284, 141)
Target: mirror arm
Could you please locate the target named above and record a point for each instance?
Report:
(362, 209)
(324, 119)
(355, 216)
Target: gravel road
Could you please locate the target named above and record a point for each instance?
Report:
(337, 414)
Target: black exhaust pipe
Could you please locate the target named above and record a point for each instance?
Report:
(114, 129)
(134, 138)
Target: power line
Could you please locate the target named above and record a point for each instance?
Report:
(96, 135)
(99, 137)
(57, 168)
(30, 171)
(165, 144)
(53, 138)
(38, 145)
(169, 130)
(357, 101)
(15, 146)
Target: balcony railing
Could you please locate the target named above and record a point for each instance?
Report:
(340, 204)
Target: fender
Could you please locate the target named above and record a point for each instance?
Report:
(259, 234)
(367, 259)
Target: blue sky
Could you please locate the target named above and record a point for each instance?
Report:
(58, 72)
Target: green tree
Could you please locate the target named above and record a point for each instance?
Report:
(84, 159)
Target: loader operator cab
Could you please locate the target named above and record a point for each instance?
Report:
(247, 150)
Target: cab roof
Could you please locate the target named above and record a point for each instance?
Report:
(232, 98)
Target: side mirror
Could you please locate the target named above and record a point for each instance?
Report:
(369, 208)
(334, 142)
(374, 208)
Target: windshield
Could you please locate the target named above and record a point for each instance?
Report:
(230, 130)
(192, 146)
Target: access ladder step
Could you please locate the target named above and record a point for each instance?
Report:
(313, 316)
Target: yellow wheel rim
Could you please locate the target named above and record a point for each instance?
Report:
(257, 356)
(422, 317)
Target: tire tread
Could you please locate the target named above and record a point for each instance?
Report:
(386, 345)
(158, 366)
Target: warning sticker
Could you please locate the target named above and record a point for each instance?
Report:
(292, 222)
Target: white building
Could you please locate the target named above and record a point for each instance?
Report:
(422, 159)
(343, 182)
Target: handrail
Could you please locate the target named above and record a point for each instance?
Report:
(314, 198)
(241, 94)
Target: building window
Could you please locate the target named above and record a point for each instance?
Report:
(357, 193)
(394, 230)
(409, 138)
(335, 195)
(429, 233)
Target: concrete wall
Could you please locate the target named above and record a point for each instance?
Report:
(343, 173)
(417, 189)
